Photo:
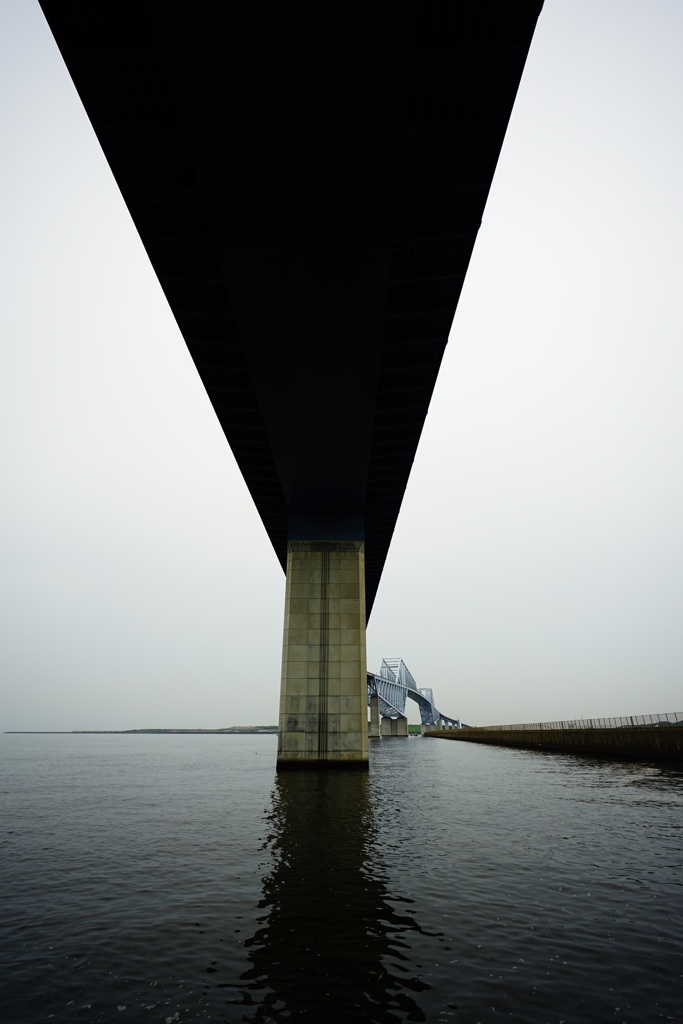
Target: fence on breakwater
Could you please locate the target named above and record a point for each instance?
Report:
(630, 721)
(645, 736)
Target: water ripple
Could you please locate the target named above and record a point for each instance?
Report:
(176, 878)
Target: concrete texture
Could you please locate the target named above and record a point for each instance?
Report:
(374, 725)
(323, 698)
(656, 742)
(395, 726)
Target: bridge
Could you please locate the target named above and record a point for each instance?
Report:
(388, 691)
(308, 182)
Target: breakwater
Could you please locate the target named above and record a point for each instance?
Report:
(661, 738)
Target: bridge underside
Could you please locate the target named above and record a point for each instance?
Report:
(308, 183)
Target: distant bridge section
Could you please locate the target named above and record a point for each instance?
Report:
(394, 684)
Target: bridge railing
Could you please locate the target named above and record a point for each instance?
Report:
(624, 722)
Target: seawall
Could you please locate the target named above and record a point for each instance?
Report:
(653, 742)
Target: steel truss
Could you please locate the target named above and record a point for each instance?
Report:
(394, 684)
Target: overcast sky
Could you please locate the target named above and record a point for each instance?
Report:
(536, 571)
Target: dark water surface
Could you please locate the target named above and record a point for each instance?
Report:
(176, 879)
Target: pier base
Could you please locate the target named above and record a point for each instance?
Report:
(323, 699)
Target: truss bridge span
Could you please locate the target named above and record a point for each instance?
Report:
(394, 684)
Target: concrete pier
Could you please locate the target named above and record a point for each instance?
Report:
(374, 725)
(323, 700)
(395, 726)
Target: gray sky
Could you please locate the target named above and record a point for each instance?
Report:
(536, 571)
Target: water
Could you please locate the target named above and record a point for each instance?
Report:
(176, 879)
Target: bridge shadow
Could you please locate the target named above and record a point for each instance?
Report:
(331, 947)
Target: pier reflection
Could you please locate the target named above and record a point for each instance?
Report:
(331, 945)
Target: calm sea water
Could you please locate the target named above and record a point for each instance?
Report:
(176, 879)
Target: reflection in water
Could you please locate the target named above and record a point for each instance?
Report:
(331, 945)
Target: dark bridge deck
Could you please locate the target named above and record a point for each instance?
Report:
(308, 183)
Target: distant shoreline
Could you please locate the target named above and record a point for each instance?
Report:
(232, 730)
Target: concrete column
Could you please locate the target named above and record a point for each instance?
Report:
(375, 730)
(395, 726)
(323, 697)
